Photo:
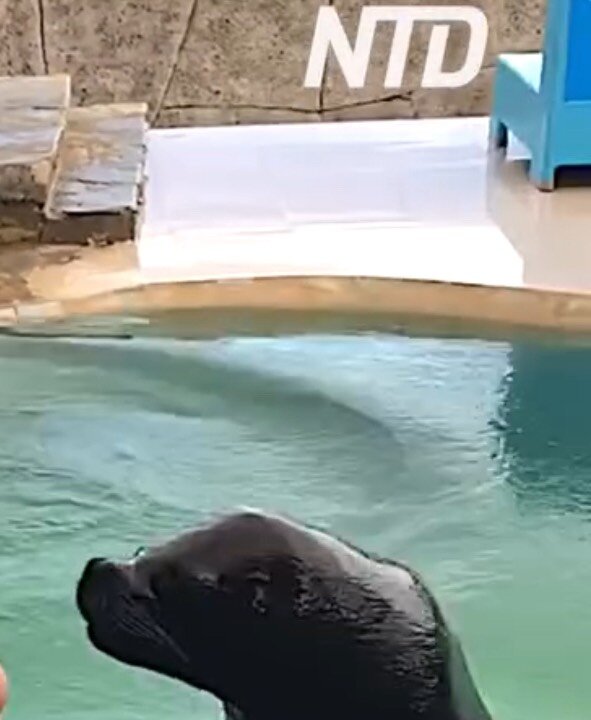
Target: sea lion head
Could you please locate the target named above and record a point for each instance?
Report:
(276, 620)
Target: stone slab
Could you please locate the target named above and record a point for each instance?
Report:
(32, 117)
(96, 195)
(99, 228)
(35, 92)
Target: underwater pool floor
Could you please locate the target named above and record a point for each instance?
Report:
(467, 458)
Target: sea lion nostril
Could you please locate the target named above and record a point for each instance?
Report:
(142, 590)
(138, 580)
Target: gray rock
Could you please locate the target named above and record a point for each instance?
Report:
(96, 194)
(32, 118)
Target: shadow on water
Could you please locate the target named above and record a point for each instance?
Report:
(331, 430)
(543, 427)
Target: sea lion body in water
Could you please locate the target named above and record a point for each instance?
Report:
(281, 622)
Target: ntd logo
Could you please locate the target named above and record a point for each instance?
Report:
(354, 61)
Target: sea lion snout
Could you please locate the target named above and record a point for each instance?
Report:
(89, 597)
(103, 581)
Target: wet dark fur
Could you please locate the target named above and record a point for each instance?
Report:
(281, 622)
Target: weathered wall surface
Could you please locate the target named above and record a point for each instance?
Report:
(237, 61)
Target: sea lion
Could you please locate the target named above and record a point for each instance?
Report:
(281, 622)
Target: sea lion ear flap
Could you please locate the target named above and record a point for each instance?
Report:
(257, 580)
(284, 586)
(275, 587)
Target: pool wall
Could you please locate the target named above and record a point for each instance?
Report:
(108, 283)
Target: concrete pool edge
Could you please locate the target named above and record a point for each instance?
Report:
(107, 281)
(491, 251)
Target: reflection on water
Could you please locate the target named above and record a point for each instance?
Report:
(458, 456)
(544, 426)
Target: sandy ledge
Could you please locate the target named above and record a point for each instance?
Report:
(39, 285)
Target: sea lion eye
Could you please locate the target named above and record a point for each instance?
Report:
(139, 552)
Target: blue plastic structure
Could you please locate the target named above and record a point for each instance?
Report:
(544, 98)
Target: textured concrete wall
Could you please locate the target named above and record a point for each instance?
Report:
(229, 61)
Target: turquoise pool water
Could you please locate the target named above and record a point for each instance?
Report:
(470, 459)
